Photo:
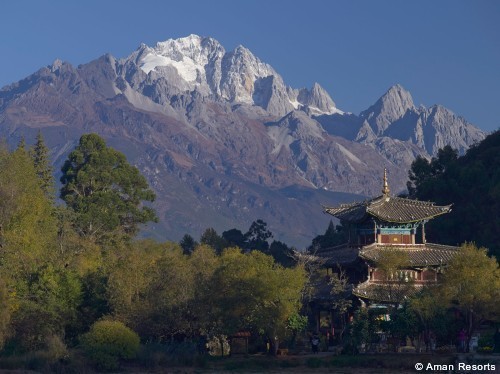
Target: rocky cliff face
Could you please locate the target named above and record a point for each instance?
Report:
(223, 140)
(401, 131)
(389, 108)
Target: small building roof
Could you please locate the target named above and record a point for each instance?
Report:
(388, 209)
(418, 255)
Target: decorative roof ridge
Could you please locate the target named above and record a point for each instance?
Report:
(405, 247)
(346, 205)
(369, 246)
(443, 246)
(362, 285)
(418, 202)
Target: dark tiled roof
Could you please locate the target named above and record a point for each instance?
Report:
(396, 293)
(389, 209)
(418, 254)
(342, 254)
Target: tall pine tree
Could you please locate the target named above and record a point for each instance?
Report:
(105, 191)
(41, 160)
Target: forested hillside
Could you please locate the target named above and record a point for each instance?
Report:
(472, 184)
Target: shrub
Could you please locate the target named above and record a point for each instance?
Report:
(109, 341)
(55, 349)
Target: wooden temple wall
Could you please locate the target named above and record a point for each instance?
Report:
(396, 238)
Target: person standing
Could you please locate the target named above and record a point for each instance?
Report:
(315, 343)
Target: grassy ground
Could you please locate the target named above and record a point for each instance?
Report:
(319, 363)
(325, 363)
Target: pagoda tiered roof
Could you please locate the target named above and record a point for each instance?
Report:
(418, 255)
(389, 209)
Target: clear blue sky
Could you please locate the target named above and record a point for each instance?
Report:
(443, 52)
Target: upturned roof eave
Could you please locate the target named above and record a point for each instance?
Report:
(385, 219)
(446, 254)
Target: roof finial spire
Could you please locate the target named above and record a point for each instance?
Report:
(385, 189)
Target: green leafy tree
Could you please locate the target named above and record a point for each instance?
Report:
(472, 285)
(427, 306)
(360, 329)
(392, 264)
(43, 294)
(104, 190)
(5, 313)
(297, 324)
(108, 342)
(27, 225)
(151, 287)
(342, 302)
(403, 322)
(252, 291)
(46, 303)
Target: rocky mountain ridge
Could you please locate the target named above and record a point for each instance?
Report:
(223, 140)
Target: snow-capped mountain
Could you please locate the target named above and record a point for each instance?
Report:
(201, 64)
(223, 140)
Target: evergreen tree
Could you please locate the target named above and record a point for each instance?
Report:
(472, 184)
(234, 238)
(22, 144)
(333, 236)
(188, 244)
(257, 235)
(212, 239)
(282, 254)
(43, 168)
(104, 190)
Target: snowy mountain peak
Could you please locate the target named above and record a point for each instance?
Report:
(201, 64)
(192, 46)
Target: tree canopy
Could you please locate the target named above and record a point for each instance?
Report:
(472, 285)
(59, 274)
(333, 236)
(472, 184)
(104, 190)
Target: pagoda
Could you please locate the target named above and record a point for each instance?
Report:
(384, 229)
